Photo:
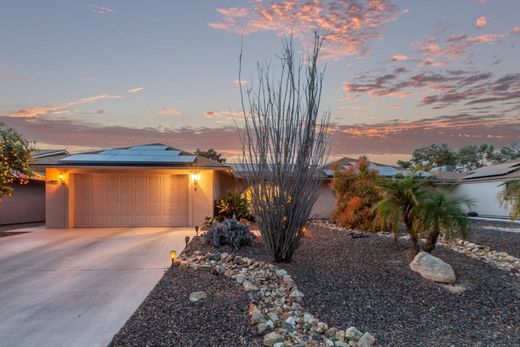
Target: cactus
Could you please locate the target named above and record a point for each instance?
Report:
(229, 232)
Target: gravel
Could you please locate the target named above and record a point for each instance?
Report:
(492, 234)
(168, 318)
(367, 283)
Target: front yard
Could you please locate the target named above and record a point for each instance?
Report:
(363, 282)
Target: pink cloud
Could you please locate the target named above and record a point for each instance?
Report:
(349, 25)
(100, 10)
(170, 111)
(481, 22)
(135, 90)
(399, 57)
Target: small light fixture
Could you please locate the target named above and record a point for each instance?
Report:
(197, 230)
(173, 256)
(195, 178)
(60, 178)
(187, 240)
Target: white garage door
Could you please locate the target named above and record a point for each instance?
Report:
(130, 200)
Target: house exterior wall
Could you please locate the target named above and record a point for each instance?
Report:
(59, 197)
(26, 205)
(484, 195)
(325, 203)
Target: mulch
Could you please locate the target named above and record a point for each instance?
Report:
(168, 318)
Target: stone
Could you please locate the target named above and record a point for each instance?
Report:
(257, 316)
(321, 327)
(248, 286)
(331, 332)
(273, 316)
(366, 340)
(307, 318)
(340, 335)
(279, 344)
(262, 328)
(433, 268)
(240, 278)
(196, 296)
(272, 338)
(289, 324)
(353, 334)
(296, 295)
(280, 273)
(341, 344)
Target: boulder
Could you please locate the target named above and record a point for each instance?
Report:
(433, 268)
(353, 334)
(366, 340)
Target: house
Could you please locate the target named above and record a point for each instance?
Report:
(27, 204)
(483, 186)
(146, 185)
(346, 162)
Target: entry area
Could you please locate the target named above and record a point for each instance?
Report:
(128, 200)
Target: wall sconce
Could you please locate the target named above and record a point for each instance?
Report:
(61, 178)
(173, 256)
(195, 178)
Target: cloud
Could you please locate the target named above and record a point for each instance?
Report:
(395, 136)
(100, 10)
(58, 109)
(481, 22)
(11, 76)
(349, 25)
(440, 89)
(224, 117)
(170, 111)
(135, 90)
(516, 30)
(237, 82)
(399, 57)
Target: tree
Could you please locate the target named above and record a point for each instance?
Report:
(434, 156)
(15, 160)
(211, 154)
(438, 214)
(401, 199)
(472, 157)
(510, 196)
(356, 191)
(405, 164)
(508, 153)
(284, 146)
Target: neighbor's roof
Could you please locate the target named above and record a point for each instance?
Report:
(245, 171)
(495, 171)
(344, 163)
(155, 154)
(49, 156)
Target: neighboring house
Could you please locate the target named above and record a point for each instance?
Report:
(27, 204)
(146, 185)
(345, 163)
(483, 186)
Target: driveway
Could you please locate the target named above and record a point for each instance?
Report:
(77, 287)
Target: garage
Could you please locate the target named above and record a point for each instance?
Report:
(130, 200)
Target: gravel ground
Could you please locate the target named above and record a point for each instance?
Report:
(492, 234)
(168, 318)
(367, 283)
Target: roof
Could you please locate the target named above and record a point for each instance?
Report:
(344, 163)
(494, 171)
(49, 156)
(245, 170)
(155, 154)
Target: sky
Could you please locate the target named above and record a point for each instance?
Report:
(399, 75)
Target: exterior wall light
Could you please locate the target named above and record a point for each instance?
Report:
(195, 178)
(61, 178)
(173, 256)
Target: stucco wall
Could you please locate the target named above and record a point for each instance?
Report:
(59, 196)
(26, 205)
(484, 195)
(326, 202)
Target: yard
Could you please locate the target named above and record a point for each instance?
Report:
(363, 282)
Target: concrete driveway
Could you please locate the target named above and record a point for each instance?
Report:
(77, 287)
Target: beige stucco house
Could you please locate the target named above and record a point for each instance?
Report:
(147, 185)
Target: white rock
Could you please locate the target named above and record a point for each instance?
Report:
(248, 286)
(273, 316)
(240, 278)
(366, 340)
(322, 327)
(433, 268)
(307, 317)
(353, 334)
(196, 296)
(297, 295)
(272, 338)
(341, 344)
(281, 272)
(279, 344)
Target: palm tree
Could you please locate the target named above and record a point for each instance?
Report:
(401, 198)
(510, 195)
(439, 213)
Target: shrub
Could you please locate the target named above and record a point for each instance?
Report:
(229, 232)
(357, 191)
(232, 205)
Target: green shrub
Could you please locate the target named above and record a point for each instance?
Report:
(232, 205)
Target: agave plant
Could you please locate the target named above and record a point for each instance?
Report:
(510, 196)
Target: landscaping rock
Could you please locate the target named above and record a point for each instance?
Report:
(366, 340)
(433, 268)
(273, 316)
(289, 324)
(353, 334)
(196, 296)
(341, 344)
(322, 327)
(272, 338)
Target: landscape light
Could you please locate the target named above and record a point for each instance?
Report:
(196, 230)
(173, 256)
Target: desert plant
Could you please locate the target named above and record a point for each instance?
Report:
(209, 221)
(15, 160)
(441, 214)
(232, 205)
(357, 191)
(510, 196)
(284, 147)
(229, 232)
(401, 198)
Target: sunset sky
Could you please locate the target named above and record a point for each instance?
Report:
(400, 74)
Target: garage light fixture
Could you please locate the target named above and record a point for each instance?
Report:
(60, 178)
(195, 178)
